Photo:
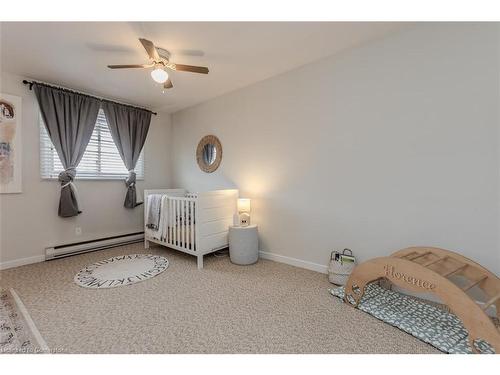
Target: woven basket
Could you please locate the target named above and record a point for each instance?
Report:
(338, 272)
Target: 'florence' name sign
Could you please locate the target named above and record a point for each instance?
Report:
(392, 273)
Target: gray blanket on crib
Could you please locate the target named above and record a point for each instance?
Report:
(153, 212)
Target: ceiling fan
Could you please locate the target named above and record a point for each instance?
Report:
(160, 60)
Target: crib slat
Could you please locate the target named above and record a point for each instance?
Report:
(186, 223)
(191, 226)
(183, 224)
(170, 221)
(163, 216)
(179, 218)
(174, 222)
(177, 209)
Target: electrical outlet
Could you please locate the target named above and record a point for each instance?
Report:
(78, 231)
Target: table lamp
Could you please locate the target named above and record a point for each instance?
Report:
(244, 211)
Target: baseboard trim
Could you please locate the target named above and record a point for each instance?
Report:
(294, 262)
(21, 262)
(263, 254)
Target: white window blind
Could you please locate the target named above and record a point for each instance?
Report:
(101, 160)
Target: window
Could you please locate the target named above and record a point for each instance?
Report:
(101, 160)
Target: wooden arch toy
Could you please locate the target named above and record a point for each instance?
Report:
(428, 270)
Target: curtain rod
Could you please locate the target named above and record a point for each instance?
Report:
(31, 83)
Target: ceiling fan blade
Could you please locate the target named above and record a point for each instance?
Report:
(168, 84)
(190, 68)
(150, 49)
(130, 66)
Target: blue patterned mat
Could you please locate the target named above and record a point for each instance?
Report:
(429, 323)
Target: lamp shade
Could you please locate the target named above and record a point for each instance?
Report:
(243, 205)
(159, 75)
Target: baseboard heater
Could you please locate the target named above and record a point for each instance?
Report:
(67, 250)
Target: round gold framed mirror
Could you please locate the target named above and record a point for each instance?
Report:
(209, 153)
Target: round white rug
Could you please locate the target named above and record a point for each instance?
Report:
(121, 270)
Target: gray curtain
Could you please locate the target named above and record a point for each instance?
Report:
(129, 127)
(70, 119)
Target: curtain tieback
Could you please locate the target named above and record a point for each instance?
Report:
(67, 176)
(130, 180)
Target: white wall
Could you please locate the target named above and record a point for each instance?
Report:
(29, 221)
(392, 144)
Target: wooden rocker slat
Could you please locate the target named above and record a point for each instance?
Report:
(407, 255)
(472, 284)
(430, 263)
(491, 302)
(455, 270)
(419, 256)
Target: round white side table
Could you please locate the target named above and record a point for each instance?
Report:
(243, 244)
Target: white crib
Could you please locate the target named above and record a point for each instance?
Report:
(195, 223)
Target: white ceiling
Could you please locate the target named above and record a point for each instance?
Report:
(75, 54)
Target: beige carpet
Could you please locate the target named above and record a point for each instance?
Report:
(264, 308)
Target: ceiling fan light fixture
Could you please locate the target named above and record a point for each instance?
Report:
(159, 60)
(159, 75)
